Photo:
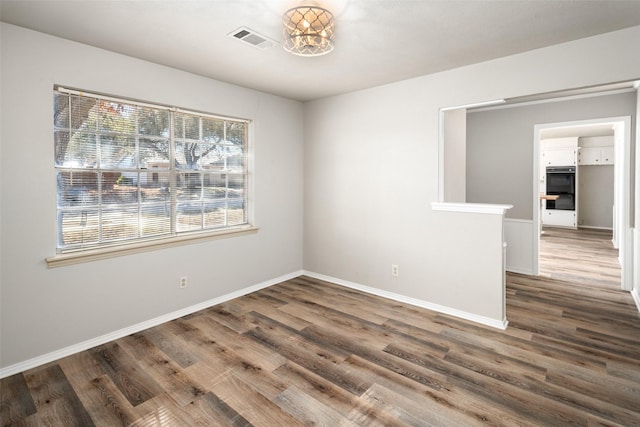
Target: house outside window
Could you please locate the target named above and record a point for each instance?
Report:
(128, 171)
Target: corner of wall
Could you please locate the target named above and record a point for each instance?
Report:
(635, 293)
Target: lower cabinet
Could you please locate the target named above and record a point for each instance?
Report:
(559, 218)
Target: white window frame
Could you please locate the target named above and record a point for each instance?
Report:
(72, 255)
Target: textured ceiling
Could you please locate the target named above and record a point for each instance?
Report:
(377, 41)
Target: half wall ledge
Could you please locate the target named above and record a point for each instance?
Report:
(483, 208)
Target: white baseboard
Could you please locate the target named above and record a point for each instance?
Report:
(85, 345)
(592, 227)
(412, 301)
(103, 339)
(524, 271)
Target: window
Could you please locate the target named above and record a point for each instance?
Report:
(129, 172)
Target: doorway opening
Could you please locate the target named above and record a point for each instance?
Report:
(486, 142)
(599, 151)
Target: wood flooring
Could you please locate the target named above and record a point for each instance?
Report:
(585, 256)
(308, 352)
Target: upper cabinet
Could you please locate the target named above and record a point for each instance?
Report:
(596, 150)
(559, 157)
(596, 156)
(573, 151)
(558, 152)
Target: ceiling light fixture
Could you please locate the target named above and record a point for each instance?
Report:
(308, 31)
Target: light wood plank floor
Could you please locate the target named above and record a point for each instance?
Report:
(307, 352)
(585, 256)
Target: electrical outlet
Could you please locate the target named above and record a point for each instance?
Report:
(183, 282)
(395, 270)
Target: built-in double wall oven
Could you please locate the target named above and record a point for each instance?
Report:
(561, 182)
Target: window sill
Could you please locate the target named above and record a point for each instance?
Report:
(97, 254)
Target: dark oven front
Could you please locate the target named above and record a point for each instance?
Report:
(561, 182)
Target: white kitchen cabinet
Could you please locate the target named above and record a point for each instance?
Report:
(596, 156)
(559, 218)
(559, 157)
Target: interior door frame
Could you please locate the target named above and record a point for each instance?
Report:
(623, 177)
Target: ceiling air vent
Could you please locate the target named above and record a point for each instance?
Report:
(251, 37)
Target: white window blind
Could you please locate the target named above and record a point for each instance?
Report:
(129, 171)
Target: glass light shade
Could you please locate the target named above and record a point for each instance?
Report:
(308, 31)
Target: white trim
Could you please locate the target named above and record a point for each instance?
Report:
(483, 208)
(626, 250)
(413, 301)
(103, 339)
(522, 271)
(591, 227)
(85, 345)
(537, 226)
(441, 143)
(519, 220)
(626, 229)
(475, 105)
(513, 103)
(636, 297)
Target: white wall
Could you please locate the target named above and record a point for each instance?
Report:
(371, 171)
(500, 141)
(42, 309)
(455, 155)
(519, 237)
(596, 196)
(596, 183)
